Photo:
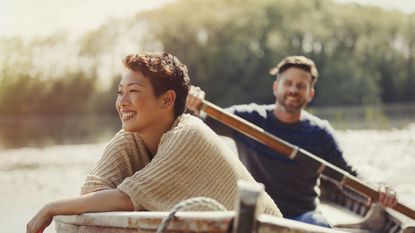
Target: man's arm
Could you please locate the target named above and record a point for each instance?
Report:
(100, 201)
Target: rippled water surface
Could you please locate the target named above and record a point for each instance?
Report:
(50, 160)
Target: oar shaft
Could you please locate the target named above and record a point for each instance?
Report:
(246, 128)
(293, 152)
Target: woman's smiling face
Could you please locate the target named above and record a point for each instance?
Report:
(139, 109)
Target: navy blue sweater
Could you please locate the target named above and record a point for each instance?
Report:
(294, 188)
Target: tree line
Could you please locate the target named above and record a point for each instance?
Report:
(365, 55)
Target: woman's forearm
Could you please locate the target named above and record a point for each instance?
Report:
(100, 201)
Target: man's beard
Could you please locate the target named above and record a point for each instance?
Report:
(293, 107)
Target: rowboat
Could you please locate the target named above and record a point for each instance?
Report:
(348, 211)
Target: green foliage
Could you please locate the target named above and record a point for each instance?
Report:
(365, 55)
(229, 46)
(23, 95)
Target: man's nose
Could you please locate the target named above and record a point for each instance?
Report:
(293, 88)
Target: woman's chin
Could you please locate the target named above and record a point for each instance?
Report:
(127, 127)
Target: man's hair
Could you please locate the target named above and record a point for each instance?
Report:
(300, 62)
(165, 72)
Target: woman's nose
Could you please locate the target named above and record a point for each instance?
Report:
(123, 99)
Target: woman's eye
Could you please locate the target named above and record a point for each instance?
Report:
(119, 92)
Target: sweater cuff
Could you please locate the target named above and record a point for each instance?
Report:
(92, 189)
(125, 188)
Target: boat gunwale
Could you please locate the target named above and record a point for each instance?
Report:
(186, 221)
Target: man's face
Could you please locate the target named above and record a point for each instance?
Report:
(293, 90)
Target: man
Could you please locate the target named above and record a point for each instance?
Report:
(161, 156)
(293, 187)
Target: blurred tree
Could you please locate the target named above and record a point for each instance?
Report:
(365, 55)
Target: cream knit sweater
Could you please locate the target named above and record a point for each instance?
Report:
(191, 161)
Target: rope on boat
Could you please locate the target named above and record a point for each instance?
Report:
(205, 202)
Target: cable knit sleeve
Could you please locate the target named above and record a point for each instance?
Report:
(191, 161)
(124, 155)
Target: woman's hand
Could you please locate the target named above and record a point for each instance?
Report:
(40, 221)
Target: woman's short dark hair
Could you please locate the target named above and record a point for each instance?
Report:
(165, 72)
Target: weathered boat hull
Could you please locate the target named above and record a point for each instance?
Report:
(145, 222)
(348, 211)
(377, 220)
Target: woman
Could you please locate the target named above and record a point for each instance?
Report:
(161, 156)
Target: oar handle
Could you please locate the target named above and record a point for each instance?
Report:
(294, 152)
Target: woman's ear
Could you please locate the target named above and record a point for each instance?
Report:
(168, 98)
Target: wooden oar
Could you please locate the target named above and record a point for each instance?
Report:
(293, 152)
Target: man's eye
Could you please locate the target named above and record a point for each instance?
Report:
(301, 86)
(287, 84)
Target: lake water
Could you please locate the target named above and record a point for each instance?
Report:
(47, 159)
(41, 132)
(37, 132)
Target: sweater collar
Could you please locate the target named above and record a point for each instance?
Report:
(174, 125)
(176, 122)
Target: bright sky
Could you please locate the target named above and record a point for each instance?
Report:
(28, 18)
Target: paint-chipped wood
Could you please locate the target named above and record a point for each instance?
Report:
(186, 222)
